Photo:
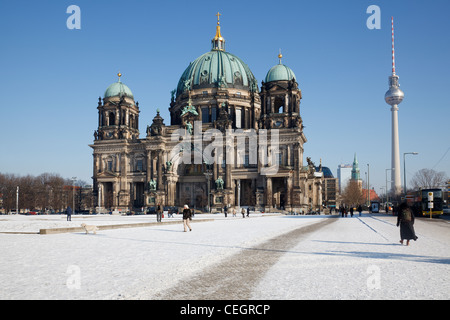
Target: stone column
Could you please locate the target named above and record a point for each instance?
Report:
(268, 192)
(289, 190)
(160, 162)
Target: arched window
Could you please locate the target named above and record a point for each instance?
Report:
(112, 119)
(279, 105)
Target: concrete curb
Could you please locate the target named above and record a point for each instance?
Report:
(116, 226)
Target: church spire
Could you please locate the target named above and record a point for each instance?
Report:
(355, 170)
(218, 42)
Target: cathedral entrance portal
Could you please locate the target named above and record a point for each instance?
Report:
(279, 192)
(108, 197)
(138, 197)
(248, 193)
(194, 194)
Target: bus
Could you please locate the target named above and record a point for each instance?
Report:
(437, 209)
(419, 202)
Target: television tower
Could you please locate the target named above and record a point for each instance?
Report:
(393, 97)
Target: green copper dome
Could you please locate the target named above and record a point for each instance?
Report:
(280, 72)
(217, 68)
(118, 89)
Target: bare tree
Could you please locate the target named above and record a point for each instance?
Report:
(352, 194)
(48, 191)
(429, 179)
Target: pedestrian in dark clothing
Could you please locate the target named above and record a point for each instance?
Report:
(158, 213)
(359, 210)
(405, 219)
(243, 212)
(351, 211)
(248, 211)
(186, 218)
(225, 210)
(69, 213)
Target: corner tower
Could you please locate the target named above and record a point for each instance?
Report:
(118, 114)
(280, 98)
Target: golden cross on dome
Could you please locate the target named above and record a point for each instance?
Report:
(218, 17)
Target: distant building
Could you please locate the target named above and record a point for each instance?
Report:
(344, 173)
(373, 195)
(330, 189)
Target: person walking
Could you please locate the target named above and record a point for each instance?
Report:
(359, 210)
(405, 219)
(234, 211)
(69, 213)
(225, 210)
(158, 213)
(186, 218)
(243, 212)
(248, 212)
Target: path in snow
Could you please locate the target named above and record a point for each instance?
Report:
(236, 277)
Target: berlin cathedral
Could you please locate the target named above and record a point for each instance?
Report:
(229, 143)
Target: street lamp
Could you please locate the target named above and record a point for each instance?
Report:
(383, 191)
(404, 167)
(73, 193)
(208, 174)
(368, 185)
(17, 200)
(387, 191)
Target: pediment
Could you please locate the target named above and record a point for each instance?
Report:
(107, 174)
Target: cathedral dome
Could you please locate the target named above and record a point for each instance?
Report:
(118, 89)
(217, 68)
(280, 72)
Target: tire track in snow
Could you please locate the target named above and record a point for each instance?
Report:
(236, 277)
(374, 230)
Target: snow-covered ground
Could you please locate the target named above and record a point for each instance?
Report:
(350, 258)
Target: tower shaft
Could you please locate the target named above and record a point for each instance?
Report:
(395, 160)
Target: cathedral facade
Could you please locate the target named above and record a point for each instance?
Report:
(229, 142)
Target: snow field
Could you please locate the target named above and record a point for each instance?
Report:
(361, 258)
(121, 263)
(351, 258)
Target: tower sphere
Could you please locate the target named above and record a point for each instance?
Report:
(394, 96)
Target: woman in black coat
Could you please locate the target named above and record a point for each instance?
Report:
(187, 216)
(405, 219)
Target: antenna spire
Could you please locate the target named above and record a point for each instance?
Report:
(393, 51)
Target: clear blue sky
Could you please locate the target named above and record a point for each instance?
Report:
(51, 77)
